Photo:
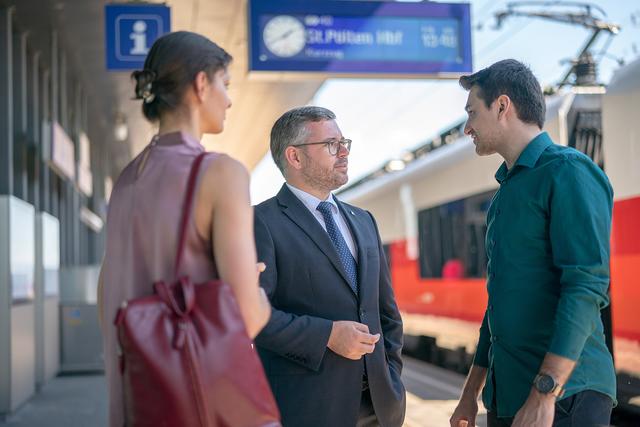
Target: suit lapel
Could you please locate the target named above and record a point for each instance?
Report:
(293, 208)
(357, 230)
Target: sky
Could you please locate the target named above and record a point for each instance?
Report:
(386, 118)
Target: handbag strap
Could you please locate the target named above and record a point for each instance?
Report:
(186, 209)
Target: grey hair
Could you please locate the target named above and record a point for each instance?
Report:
(290, 129)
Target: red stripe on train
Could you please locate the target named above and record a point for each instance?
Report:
(625, 233)
(466, 299)
(625, 268)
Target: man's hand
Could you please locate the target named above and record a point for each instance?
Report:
(261, 266)
(537, 411)
(467, 409)
(351, 339)
(263, 301)
(465, 413)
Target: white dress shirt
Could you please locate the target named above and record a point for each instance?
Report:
(312, 202)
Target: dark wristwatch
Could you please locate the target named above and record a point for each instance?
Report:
(546, 384)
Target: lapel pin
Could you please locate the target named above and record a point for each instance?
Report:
(352, 213)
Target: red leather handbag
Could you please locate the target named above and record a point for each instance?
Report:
(186, 357)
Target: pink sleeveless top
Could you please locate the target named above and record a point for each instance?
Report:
(142, 236)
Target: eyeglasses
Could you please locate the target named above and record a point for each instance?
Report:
(333, 145)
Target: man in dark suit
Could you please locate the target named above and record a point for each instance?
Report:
(332, 348)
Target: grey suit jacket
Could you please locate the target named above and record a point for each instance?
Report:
(308, 288)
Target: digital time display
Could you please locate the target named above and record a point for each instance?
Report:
(360, 37)
(313, 38)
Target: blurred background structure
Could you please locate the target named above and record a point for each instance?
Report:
(68, 126)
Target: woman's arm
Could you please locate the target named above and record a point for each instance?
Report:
(233, 241)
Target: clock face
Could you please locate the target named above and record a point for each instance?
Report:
(284, 36)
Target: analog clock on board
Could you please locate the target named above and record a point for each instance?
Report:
(284, 36)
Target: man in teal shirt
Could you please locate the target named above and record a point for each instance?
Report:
(541, 356)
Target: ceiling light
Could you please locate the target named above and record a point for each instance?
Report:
(395, 165)
(120, 128)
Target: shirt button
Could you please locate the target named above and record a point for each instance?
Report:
(490, 307)
(498, 211)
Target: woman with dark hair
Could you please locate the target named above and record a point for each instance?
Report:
(183, 87)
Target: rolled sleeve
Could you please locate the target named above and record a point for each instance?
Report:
(481, 357)
(580, 227)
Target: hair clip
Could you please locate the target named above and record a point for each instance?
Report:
(147, 96)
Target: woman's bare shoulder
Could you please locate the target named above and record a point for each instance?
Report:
(225, 167)
(226, 177)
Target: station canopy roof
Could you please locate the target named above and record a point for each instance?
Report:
(257, 103)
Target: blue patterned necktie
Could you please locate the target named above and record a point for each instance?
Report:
(340, 244)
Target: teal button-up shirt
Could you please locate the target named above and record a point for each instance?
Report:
(548, 273)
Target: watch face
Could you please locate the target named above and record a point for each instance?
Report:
(545, 384)
(284, 36)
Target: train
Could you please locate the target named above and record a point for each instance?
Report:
(431, 212)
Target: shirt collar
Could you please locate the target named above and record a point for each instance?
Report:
(177, 138)
(311, 201)
(529, 156)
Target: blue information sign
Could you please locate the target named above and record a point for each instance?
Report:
(131, 29)
(360, 37)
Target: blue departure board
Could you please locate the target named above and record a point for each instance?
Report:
(360, 37)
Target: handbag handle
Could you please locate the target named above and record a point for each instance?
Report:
(187, 292)
(186, 210)
(184, 289)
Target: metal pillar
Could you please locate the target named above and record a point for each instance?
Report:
(16, 225)
(79, 230)
(44, 142)
(55, 79)
(63, 114)
(54, 182)
(33, 131)
(20, 114)
(6, 188)
(75, 129)
(6, 102)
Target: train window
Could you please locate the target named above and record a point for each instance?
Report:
(586, 136)
(451, 238)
